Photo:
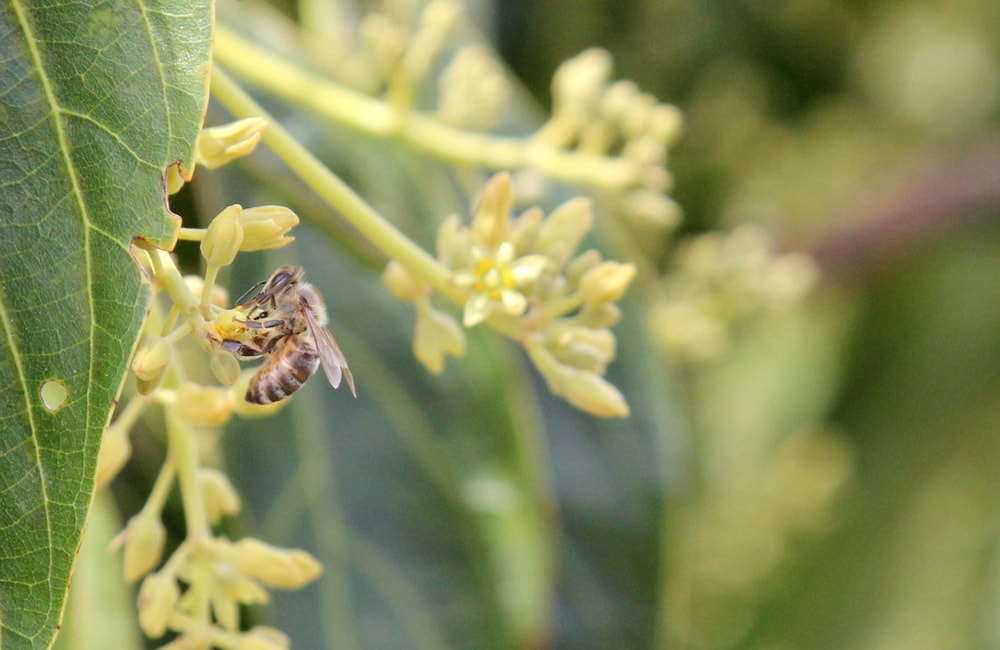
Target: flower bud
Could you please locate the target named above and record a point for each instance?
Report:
(606, 282)
(472, 89)
(151, 359)
(263, 638)
(401, 283)
(221, 144)
(174, 180)
(452, 244)
(562, 231)
(637, 115)
(157, 598)
(226, 611)
(524, 230)
(196, 284)
(789, 277)
(598, 315)
(616, 99)
(651, 208)
(115, 452)
(143, 538)
(592, 393)
(225, 367)
(204, 405)
(265, 227)
(686, 332)
(578, 82)
(247, 591)
(644, 151)
(384, 42)
(224, 237)
(492, 219)
(221, 497)
(436, 22)
(436, 334)
(584, 390)
(580, 264)
(275, 567)
(585, 348)
(664, 123)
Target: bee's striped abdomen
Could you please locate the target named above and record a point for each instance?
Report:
(281, 375)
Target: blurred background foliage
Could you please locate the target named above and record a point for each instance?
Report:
(830, 481)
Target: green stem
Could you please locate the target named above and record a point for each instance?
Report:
(424, 133)
(191, 234)
(169, 278)
(211, 274)
(130, 414)
(392, 242)
(184, 451)
(161, 488)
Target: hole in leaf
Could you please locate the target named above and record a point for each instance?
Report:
(54, 394)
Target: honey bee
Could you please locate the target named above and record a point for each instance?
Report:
(286, 319)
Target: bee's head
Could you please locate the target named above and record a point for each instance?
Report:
(283, 278)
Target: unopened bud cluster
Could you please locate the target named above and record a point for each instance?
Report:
(473, 89)
(231, 575)
(527, 269)
(399, 47)
(720, 282)
(593, 115)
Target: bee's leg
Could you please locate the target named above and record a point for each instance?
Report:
(272, 344)
(240, 349)
(268, 324)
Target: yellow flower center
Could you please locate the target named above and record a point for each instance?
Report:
(493, 278)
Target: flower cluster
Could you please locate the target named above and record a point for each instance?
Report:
(196, 593)
(402, 47)
(224, 575)
(720, 282)
(395, 48)
(524, 276)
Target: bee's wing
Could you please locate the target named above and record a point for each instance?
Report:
(330, 357)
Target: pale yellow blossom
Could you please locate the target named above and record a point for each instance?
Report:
(496, 280)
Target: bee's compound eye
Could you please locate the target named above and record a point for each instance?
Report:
(280, 279)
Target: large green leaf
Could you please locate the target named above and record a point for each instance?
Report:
(96, 99)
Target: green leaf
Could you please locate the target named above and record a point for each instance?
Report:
(96, 100)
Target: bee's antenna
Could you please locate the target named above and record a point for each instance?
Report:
(255, 289)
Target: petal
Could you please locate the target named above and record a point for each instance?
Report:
(505, 254)
(464, 279)
(514, 302)
(528, 268)
(477, 309)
